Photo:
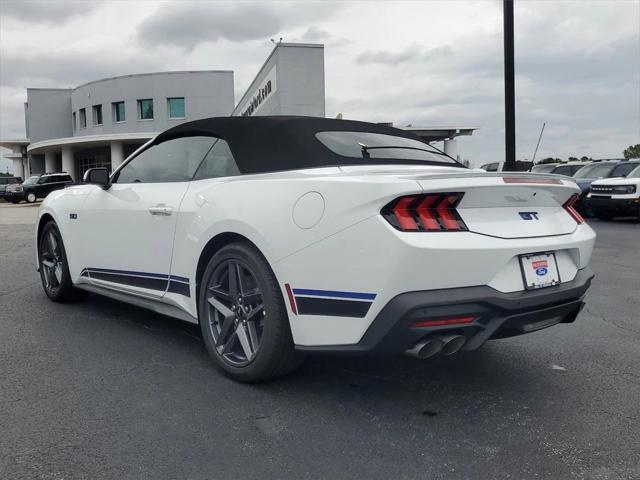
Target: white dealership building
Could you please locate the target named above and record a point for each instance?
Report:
(101, 122)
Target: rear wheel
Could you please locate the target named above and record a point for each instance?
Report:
(54, 268)
(243, 317)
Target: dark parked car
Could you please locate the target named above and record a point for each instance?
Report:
(6, 181)
(37, 186)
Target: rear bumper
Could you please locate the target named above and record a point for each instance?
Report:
(496, 315)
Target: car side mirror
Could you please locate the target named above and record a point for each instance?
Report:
(96, 176)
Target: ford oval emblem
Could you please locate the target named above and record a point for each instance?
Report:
(541, 272)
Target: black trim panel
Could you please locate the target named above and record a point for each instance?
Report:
(179, 287)
(332, 307)
(142, 282)
(151, 281)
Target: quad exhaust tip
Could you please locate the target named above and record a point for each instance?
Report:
(445, 344)
(452, 343)
(425, 349)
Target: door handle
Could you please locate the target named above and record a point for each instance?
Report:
(161, 209)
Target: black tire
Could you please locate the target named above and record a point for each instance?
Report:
(30, 197)
(57, 289)
(275, 355)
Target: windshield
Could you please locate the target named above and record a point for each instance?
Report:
(381, 146)
(635, 173)
(595, 170)
(544, 168)
(31, 180)
(623, 169)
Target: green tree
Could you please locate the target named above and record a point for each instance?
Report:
(549, 160)
(584, 158)
(573, 159)
(632, 152)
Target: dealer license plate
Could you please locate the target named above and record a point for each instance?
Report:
(539, 270)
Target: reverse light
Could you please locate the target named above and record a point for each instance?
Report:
(443, 321)
(433, 212)
(569, 206)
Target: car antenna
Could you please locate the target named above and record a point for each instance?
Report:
(533, 161)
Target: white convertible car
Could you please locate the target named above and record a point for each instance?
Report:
(283, 236)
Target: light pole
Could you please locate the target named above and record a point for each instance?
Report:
(509, 89)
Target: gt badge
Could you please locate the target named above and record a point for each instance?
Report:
(529, 215)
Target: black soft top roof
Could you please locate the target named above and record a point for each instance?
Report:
(275, 143)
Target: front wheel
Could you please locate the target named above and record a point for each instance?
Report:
(243, 317)
(31, 197)
(54, 268)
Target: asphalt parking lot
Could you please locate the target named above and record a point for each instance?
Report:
(102, 390)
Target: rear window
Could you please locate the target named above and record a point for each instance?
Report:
(381, 146)
(548, 168)
(490, 167)
(567, 170)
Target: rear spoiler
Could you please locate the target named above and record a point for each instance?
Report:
(508, 177)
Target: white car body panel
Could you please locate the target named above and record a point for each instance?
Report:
(344, 244)
(121, 234)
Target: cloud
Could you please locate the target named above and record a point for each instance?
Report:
(314, 34)
(68, 68)
(51, 11)
(413, 53)
(187, 25)
(577, 63)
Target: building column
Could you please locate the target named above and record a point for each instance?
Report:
(18, 170)
(451, 147)
(68, 165)
(49, 161)
(117, 155)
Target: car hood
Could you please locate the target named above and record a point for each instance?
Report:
(617, 181)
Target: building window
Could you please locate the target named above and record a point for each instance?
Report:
(175, 106)
(118, 111)
(97, 114)
(145, 109)
(74, 121)
(83, 118)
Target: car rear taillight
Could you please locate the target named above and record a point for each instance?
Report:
(433, 212)
(569, 206)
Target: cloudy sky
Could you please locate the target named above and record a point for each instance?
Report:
(420, 62)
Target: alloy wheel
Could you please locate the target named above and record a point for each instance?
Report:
(51, 261)
(235, 312)
(31, 197)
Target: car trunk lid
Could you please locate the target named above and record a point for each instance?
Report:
(505, 204)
